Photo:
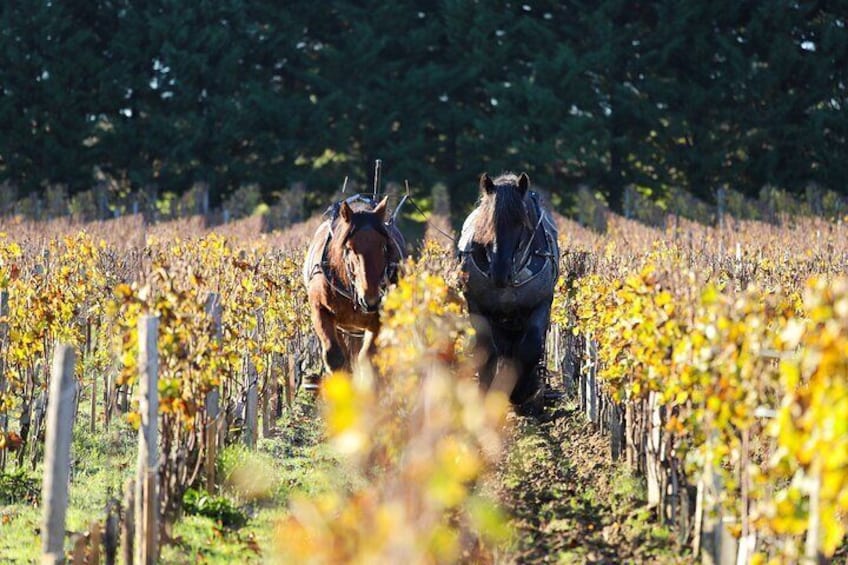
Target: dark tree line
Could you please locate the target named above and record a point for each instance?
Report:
(607, 93)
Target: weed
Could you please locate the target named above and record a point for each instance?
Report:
(218, 508)
(19, 487)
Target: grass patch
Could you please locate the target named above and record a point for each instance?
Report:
(627, 488)
(19, 538)
(218, 508)
(233, 525)
(100, 463)
(19, 486)
(200, 539)
(259, 484)
(246, 475)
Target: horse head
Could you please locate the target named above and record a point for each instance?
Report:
(503, 221)
(362, 253)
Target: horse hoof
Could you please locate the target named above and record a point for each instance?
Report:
(552, 395)
(534, 406)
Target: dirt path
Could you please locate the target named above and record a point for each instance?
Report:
(571, 504)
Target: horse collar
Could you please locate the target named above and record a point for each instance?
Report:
(525, 253)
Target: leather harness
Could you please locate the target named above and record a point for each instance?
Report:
(526, 254)
(323, 267)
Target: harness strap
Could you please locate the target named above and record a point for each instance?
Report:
(349, 333)
(526, 254)
(525, 259)
(336, 284)
(324, 269)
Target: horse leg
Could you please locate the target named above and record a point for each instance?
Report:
(325, 328)
(349, 345)
(528, 353)
(365, 348)
(506, 370)
(485, 355)
(368, 348)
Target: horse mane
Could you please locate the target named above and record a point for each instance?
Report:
(335, 251)
(504, 204)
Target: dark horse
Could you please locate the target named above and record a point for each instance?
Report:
(510, 255)
(352, 258)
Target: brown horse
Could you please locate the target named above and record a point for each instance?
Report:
(353, 257)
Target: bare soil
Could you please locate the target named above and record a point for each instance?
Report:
(569, 503)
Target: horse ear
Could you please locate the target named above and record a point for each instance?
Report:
(346, 212)
(486, 184)
(523, 183)
(380, 209)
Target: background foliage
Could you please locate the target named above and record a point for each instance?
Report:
(157, 96)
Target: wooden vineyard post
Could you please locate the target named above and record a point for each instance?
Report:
(550, 348)
(110, 532)
(712, 537)
(277, 388)
(251, 397)
(146, 491)
(291, 379)
(637, 438)
(25, 417)
(653, 464)
(77, 402)
(698, 536)
(86, 355)
(278, 404)
(128, 523)
(213, 307)
(570, 364)
(78, 555)
(263, 385)
(583, 379)
(265, 405)
(603, 417)
(57, 462)
(592, 383)
(94, 540)
(616, 430)
(677, 507)
(267, 390)
(748, 535)
(108, 394)
(4, 332)
(125, 399)
(557, 349)
(631, 455)
(250, 409)
(39, 419)
(212, 410)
